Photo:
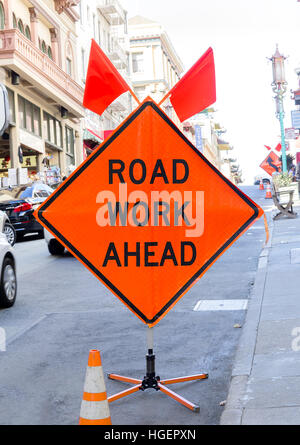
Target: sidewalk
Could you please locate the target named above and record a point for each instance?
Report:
(265, 385)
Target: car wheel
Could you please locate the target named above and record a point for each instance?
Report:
(8, 284)
(10, 233)
(55, 248)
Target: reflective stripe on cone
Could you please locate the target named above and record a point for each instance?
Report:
(94, 406)
(269, 193)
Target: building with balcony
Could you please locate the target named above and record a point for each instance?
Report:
(204, 133)
(38, 66)
(105, 21)
(155, 65)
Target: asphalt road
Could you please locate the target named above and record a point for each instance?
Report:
(62, 312)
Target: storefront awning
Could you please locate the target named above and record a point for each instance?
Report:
(91, 135)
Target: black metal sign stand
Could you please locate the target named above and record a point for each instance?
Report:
(151, 381)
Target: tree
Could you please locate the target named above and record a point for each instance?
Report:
(289, 160)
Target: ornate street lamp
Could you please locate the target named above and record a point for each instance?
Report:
(280, 87)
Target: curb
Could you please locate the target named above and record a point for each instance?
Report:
(233, 412)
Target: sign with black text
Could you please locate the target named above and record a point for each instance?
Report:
(147, 213)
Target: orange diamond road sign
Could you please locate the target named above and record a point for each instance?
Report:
(271, 164)
(147, 213)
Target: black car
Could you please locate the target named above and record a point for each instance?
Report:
(20, 202)
(266, 181)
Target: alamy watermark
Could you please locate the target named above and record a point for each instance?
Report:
(296, 341)
(156, 209)
(2, 340)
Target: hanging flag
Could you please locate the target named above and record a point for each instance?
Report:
(104, 84)
(278, 148)
(269, 148)
(197, 88)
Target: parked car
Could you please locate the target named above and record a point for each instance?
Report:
(7, 228)
(19, 204)
(54, 246)
(265, 181)
(8, 280)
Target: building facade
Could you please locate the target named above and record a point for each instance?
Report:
(204, 133)
(38, 66)
(155, 65)
(105, 21)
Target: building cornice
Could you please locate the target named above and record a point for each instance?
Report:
(166, 46)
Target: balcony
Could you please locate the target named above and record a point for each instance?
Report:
(40, 72)
(113, 12)
(117, 55)
(224, 146)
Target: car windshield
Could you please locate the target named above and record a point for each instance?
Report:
(42, 191)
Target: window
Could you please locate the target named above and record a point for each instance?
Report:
(104, 40)
(137, 62)
(27, 32)
(88, 14)
(99, 33)
(29, 116)
(126, 24)
(70, 141)
(70, 145)
(50, 53)
(81, 12)
(11, 100)
(69, 59)
(109, 43)
(14, 21)
(44, 47)
(36, 120)
(40, 193)
(94, 26)
(69, 66)
(83, 63)
(58, 133)
(20, 26)
(2, 17)
(53, 130)
(22, 112)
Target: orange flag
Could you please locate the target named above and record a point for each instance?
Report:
(197, 88)
(104, 84)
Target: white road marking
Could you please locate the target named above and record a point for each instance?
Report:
(221, 305)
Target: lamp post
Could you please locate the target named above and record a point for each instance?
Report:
(279, 86)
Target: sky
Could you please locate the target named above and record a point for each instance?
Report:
(243, 34)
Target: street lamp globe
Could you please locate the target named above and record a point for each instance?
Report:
(278, 68)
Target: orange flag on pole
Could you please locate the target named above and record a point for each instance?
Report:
(197, 88)
(104, 84)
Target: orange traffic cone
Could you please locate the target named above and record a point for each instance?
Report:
(268, 193)
(94, 406)
(261, 185)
